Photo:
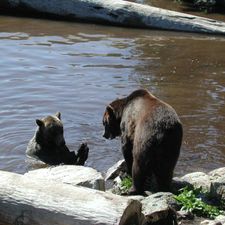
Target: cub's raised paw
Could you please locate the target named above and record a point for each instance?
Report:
(82, 154)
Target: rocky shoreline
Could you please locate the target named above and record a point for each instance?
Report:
(213, 183)
(157, 208)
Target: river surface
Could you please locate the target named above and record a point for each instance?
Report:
(77, 69)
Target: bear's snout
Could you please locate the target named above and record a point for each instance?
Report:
(108, 135)
(105, 135)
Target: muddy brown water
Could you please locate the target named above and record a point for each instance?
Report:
(77, 69)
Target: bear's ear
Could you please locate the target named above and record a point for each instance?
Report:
(40, 123)
(58, 115)
(110, 110)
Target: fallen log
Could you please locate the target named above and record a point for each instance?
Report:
(117, 12)
(26, 200)
(71, 174)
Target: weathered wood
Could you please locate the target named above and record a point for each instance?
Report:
(118, 12)
(71, 174)
(26, 200)
(116, 169)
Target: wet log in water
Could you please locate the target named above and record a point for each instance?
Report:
(28, 200)
(117, 12)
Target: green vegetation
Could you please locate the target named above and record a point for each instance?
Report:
(126, 184)
(123, 185)
(192, 200)
(196, 200)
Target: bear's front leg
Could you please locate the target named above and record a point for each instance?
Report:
(138, 178)
(127, 147)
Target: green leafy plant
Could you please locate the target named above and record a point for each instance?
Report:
(126, 183)
(122, 185)
(192, 200)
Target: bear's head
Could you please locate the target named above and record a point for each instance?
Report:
(50, 130)
(111, 123)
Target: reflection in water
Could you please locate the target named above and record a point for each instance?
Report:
(189, 74)
(77, 69)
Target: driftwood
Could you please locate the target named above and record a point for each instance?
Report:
(70, 174)
(26, 200)
(117, 12)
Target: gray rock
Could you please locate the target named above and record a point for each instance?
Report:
(117, 187)
(221, 218)
(215, 174)
(157, 207)
(178, 183)
(217, 188)
(115, 170)
(73, 175)
(210, 222)
(197, 180)
(185, 215)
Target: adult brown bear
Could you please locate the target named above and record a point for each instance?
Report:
(48, 144)
(151, 135)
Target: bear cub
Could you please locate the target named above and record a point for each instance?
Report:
(48, 144)
(151, 135)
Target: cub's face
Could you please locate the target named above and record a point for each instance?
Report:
(51, 129)
(111, 124)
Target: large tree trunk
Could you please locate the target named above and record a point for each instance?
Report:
(118, 12)
(33, 201)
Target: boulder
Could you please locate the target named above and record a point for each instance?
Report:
(215, 174)
(197, 180)
(115, 170)
(185, 215)
(158, 208)
(73, 175)
(210, 222)
(178, 183)
(217, 188)
(219, 220)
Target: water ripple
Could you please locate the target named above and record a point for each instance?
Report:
(77, 69)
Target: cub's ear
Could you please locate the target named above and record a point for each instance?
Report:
(58, 115)
(40, 123)
(110, 110)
